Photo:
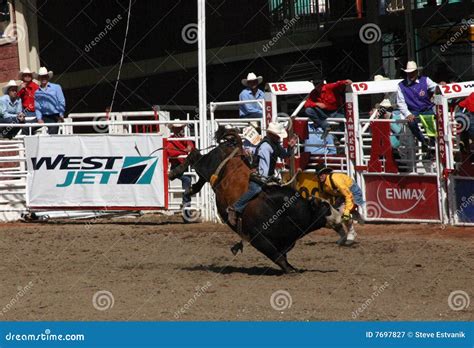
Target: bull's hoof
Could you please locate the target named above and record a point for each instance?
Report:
(237, 247)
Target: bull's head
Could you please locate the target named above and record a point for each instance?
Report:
(190, 160)
(323, 208)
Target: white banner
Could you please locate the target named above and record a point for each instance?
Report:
(96, 171)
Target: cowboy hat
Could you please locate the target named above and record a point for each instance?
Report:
(386, 103)
(11, 83)
(277, 129)
(322, 169)
(43, 71)
(380, 78)
(411, 66)
(176, 124)
(24, 71)
(252, 77)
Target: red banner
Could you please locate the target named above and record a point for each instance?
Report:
(402, 197)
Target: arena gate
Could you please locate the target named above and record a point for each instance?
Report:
(456, 166)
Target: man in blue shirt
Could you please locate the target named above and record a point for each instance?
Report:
(251, 92)
(316, 145)
(414, 100)
(268, 152)
(11, 110)
(50, 104)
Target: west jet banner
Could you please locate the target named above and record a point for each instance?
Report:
(96, 171)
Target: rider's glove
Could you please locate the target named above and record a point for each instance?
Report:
(346, 217)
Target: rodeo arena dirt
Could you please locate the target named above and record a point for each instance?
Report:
(139, 251)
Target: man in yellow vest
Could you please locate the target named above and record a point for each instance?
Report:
(344, 193)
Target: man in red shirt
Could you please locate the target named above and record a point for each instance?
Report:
(177, 150)
(325, 100)
(465, 119)
(27, 91)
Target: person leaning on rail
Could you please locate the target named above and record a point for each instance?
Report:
(11, 110)
(267, 153)
(347, 195)
(414, 101)
(175, 150)
(50, 104)
(326, 100)
(251, 92)
(388, 111)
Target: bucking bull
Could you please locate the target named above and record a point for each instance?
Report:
(274, 220)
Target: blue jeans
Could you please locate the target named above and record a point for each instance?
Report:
(357, 193)
(253, 190)
(186, 181)
(319, 116)
(415, 129)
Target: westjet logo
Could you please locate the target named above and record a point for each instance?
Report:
(101, 170)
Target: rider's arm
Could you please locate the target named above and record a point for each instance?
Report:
(264, 163)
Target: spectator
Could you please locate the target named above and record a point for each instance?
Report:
(414, 100)
(326, 100)
(11, 109)
(388, 111)
(251, 92)
(176, 148)
(465, 118)
(319, 146)
(50, 104)
(27, 92)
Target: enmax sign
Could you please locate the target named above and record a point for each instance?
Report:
(99, 170)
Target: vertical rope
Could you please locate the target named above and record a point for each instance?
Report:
(123, 54)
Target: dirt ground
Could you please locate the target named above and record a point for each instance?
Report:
(156, 268)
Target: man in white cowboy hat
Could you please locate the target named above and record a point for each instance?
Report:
(267, 154)
(414, 100)
(177, 151)
(50, 104)
(27, 91)
(11, 109)
(251, 92)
